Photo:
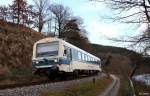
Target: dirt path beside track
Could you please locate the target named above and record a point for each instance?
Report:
(113, 88)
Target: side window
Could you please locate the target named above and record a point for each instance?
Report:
(74, 54)
(83, 57)
(79, 55)
(90, 59)
(86, 58)
(94, 61)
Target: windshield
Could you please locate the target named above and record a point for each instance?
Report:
(47, 49)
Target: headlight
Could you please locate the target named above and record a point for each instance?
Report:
(56, 60)
(37, 62)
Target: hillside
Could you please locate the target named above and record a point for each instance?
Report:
(111, 49)
(124, 63)
(122, 60)
(16, 48)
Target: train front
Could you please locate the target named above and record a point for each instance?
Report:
(45, 56)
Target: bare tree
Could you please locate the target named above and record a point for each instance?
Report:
(17, 8)
(41, 7)
(30, 16)
(135, 12)
(4, 13)
(21, 13)
(129, 11)
(61, 15)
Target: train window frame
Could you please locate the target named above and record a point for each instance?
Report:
(54, 42)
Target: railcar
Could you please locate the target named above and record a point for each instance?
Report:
(53, 56)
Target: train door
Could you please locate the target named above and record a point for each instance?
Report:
(68, 54)
(71, 58)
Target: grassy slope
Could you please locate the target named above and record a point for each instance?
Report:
(16, 50)
(121, 60)
(122, 57)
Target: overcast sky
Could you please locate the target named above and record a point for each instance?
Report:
(98, 28)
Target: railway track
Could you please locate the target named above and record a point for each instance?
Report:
(24, 84)
(36, 88)
(11, 86)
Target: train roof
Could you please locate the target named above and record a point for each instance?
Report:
(49, 39)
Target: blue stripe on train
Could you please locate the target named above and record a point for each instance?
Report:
(50, 62)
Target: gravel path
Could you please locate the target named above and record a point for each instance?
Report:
(113, 88)
(37, 89)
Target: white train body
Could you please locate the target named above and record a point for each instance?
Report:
(50, 53)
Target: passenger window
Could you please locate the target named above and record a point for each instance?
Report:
(75, 54)
(79, 55)
(88, 58)
(83, 57)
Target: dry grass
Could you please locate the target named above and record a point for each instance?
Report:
(82, 89)
(16, 44)
(16, 51)
(125, 88)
